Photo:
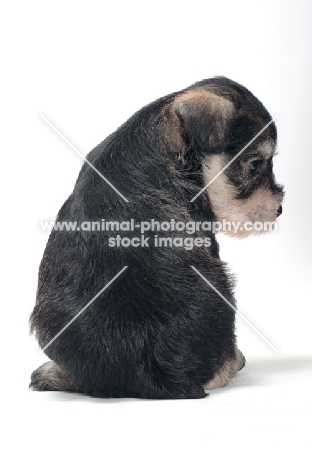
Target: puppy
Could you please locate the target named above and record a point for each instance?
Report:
(158, 331)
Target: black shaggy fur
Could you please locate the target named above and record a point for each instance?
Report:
(158, 331)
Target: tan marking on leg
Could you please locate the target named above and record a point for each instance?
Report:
(226, 372)
(50, 376)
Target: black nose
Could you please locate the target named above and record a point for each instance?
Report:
(280, 211)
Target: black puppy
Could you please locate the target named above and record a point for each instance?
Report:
(158, 331)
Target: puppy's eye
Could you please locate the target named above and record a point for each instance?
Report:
(254, 165)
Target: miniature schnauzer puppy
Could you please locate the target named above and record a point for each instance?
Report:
(158, 331)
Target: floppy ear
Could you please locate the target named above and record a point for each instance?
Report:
(205, 118)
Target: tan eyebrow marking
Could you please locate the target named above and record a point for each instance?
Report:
(266, 149)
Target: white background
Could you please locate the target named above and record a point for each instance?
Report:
(87, 66)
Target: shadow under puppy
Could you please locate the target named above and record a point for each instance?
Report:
(158, 331)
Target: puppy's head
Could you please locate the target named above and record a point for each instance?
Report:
(218, 119)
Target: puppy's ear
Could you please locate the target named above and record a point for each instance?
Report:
(205, 118)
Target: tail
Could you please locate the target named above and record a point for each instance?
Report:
(50, 377)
